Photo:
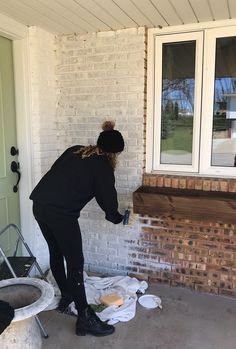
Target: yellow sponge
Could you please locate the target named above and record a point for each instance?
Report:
(111, 299)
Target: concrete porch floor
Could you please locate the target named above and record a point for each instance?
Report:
(188, 320)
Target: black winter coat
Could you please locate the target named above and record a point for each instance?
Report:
(72, 182)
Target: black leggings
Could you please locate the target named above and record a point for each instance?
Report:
(63, 237)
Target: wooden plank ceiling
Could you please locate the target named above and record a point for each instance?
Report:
(82, 16)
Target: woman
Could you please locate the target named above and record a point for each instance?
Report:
(77, 176)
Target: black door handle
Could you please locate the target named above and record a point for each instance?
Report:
(14, 151)
(15, 168)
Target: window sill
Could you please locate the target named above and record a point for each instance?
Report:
(186, 204)
(192, 174)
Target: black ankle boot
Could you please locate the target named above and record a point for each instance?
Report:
(64, 303)
(88, 322)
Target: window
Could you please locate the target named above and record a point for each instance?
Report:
(192, 102)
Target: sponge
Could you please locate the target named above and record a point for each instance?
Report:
(111, 299)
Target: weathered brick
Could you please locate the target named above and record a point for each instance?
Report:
(152, 181)
(232, 186)
(182, 183)
(198, 184)
(190, 183)
(226, 292)
(204, 288)
(146, 180)
(206, 185)
(174, 182)
(215, 184)
(223, 185)
(167, 181)
(160, 181)
(159, 279)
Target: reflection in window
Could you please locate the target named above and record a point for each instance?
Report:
(224, 112)
(178, 82)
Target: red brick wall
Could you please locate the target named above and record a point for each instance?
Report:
(180, 252)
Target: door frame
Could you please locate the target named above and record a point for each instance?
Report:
(19, 35)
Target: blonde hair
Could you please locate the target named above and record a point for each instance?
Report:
(90, 150)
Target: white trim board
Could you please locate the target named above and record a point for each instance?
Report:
(11, 29)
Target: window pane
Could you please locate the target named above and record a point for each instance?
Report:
(177, 108)
(224, 113)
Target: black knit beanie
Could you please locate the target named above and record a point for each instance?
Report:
(110, 141)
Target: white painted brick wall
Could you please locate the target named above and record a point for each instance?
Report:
(98, 76)
(43, 115)
(101, 76)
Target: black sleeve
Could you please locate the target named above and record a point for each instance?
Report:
(105, 193)
(66, 153)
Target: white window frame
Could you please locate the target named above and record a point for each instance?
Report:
(212, 30)
(207, 108)
(159, 41)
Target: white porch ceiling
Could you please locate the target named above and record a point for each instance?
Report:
(82, 16)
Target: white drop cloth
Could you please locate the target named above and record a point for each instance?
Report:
(95, 287)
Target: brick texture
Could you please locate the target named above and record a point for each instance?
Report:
(196, 254)
(102, 76)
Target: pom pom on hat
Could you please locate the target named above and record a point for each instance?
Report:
(110, 140)
(108, 125)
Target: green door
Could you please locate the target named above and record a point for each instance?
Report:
(9, 200)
